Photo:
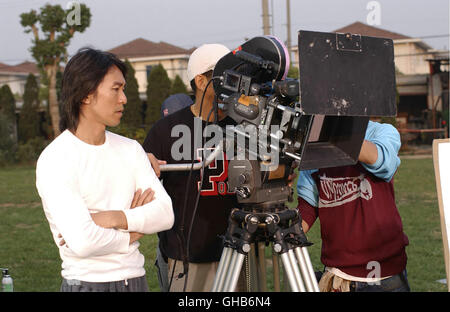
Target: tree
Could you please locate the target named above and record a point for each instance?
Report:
(392, 120)
(29, 119)
(158, 89)
(57, 26)
(132, 115)
(8, 128)
(178, 86)
(7, 104)
(293, 72)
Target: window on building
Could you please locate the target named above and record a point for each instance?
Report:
(148, 69)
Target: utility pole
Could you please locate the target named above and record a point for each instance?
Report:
(288, 26)
(265, 15)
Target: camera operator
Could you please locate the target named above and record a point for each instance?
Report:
(204, 246)
(363, 244)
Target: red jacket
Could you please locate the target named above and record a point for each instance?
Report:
(359, 221)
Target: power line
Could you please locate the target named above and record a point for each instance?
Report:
(432, 36)
(243, 37)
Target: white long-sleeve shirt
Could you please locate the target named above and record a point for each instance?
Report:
(75, 179)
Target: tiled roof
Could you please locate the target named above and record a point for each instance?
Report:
(25, 67)
(141, 48)
(367, 30)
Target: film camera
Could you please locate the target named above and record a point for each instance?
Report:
(316, 121)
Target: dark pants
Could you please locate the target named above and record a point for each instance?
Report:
(395, 283)
(162, 269)
(138, 284)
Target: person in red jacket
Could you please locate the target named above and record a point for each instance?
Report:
(363, 243)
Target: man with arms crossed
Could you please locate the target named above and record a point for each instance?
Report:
(91, 182)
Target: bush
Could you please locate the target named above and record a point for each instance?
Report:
(132, 114)
(293, 72)
(29, 118)
(178, 86)
(29, 152)
(130, 132)
(7, 156)
(389, 120)
(8, 145)
(158, 89)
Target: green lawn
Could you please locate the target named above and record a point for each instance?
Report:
(27, 249)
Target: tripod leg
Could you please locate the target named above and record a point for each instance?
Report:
(296, 271)
(222, 269)
(286, 287)
(235, 267)
(276, 272)
(315, 284)
(304, 269)
(288, 269)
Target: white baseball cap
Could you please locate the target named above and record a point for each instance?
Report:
(205, 58)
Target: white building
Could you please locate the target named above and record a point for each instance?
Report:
(144, 54)
(16, 76)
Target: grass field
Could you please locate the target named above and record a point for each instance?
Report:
(27, 248)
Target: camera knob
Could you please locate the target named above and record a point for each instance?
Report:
(246, 248)
(243, 178)
(243, 192)
(277, 248)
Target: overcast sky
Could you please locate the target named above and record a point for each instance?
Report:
(188, 23)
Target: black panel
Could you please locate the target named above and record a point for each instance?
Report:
(349, 75)
(338, 144)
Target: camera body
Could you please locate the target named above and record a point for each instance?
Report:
(316, 121)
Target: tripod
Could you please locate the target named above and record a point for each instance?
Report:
(256, 223)
(283, 229)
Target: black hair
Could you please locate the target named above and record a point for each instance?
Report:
(81, 77)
